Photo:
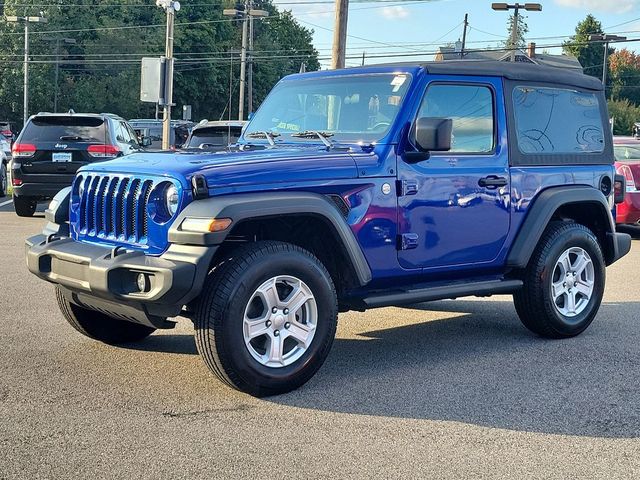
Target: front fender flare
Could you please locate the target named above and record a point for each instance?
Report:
(247, 206)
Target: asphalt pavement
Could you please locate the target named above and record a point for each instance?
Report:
(453, 389)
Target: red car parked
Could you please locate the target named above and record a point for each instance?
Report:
(627, 153)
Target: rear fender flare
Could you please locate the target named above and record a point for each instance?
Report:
(545, 205)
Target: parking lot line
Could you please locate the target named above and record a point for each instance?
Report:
(6, 203)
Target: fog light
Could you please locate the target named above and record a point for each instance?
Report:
(143, 282)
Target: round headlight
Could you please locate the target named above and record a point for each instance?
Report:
(171, 200)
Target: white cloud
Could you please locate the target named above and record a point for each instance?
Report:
(307, 9)
(395, 12)
(612, 6)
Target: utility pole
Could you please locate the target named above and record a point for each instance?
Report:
(27, 21)
(245, 14)
(605, 39)
(250, 83)
(243, 68)
(340, 34)
(170, 7)
(464, 35)
(515, 28)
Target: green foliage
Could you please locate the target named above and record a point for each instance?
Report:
(624, 115)
(523, 29)
(624, 73)
(590, 54)
(101, 71)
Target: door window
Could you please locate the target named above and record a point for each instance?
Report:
(470, 107)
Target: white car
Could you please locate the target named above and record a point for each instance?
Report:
(5, 156)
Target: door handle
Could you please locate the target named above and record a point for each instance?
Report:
(492, 182)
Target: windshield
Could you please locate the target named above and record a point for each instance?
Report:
(626, 152)
(349, 108)
(214, 136)
(67, 128)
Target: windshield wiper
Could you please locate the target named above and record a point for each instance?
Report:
(264, 134)
(323, 136)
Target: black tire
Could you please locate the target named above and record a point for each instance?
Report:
(24, 206)
(534, 302)
(3, 179)
(220, 312)
(99, 326)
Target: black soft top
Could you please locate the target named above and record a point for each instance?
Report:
(518, 71)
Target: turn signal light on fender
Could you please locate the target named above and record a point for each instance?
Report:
(205, 225)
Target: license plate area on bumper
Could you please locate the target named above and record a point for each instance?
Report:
(72, 273)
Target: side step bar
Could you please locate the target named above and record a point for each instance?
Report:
(439, 292)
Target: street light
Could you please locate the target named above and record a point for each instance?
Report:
(170, 7)
(27, 21)
(605, 39)
(244, 12)
(530, 7)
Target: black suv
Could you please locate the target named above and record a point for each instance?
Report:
(52, 146)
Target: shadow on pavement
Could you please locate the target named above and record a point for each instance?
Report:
(479, 367)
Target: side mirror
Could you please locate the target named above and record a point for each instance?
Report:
(433, 134)
(145, 141)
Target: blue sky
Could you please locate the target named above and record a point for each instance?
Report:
(418, 27)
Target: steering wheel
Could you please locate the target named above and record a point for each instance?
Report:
(380, 126)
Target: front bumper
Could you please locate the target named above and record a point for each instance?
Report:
(628, 212)
(105, 279)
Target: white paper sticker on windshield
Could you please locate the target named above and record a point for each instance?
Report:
(397, 82)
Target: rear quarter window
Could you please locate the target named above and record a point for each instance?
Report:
(557, 121)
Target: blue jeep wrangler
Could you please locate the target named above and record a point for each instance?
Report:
(348, 190)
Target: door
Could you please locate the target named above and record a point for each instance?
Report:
(454, 206)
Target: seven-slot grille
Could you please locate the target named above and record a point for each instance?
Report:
(114, 207)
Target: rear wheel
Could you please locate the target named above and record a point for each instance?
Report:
(266, 318)
(564, 282)
(24, 206)
(99, 326)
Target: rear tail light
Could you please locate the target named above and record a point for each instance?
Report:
(7, 133)
(16, 182)
(103, 151)
(626, 172)
(22, 150)
(619, 189)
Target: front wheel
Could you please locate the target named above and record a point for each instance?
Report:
(3, 179)
(266, 318)
(564, 282)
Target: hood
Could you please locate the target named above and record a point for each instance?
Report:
(232, 169)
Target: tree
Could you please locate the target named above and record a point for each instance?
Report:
(522, 30)
(101, 72)
(624, 115)
(624, 73)
(589, 54)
